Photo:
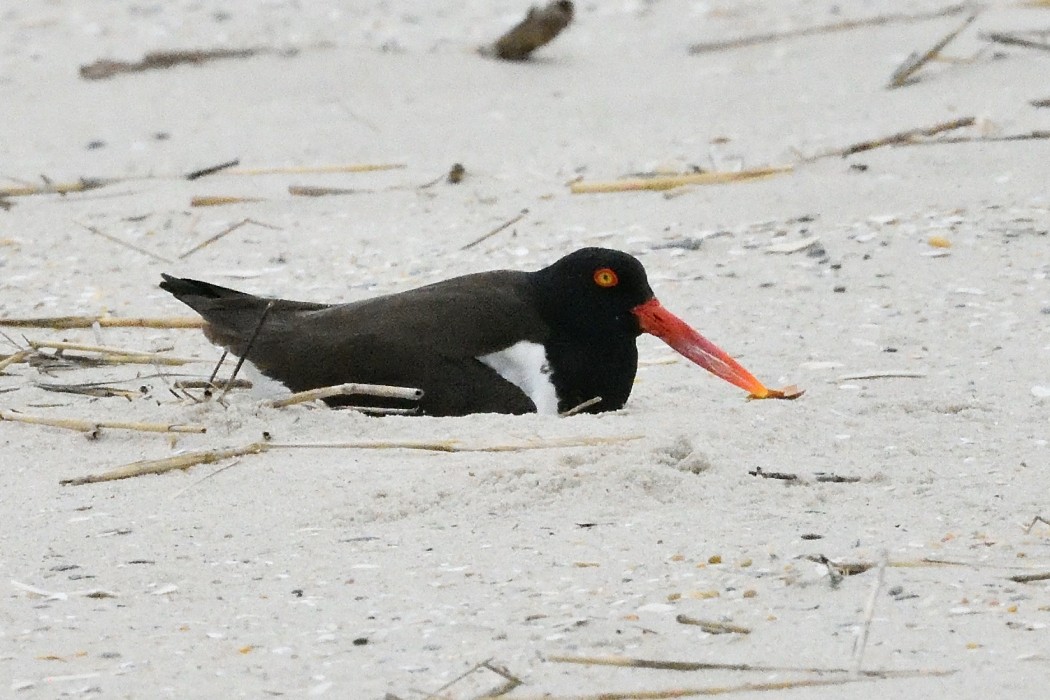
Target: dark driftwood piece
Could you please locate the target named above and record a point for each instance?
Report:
(538, 28)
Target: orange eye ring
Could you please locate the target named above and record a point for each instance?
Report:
(606, 277)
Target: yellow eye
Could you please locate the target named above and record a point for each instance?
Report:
(605, 277)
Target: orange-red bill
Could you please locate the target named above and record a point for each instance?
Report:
(658, 321)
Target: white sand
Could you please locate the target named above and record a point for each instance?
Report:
(267, 579)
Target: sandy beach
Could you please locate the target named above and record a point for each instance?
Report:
(885, 535)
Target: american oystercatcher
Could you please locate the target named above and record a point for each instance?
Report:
(492, 342)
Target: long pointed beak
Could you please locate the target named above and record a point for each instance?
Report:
(658, 321)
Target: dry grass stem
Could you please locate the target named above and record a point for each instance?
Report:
(310, 191)
(539, 28)
(160, 466)
(112, 354)
(221, 234)
(185, 461)
(1018, 39)
(1037, 135)
(502, 227)
(156, 60)
(899, 138)
(1031, 578)
(212, 169)
(87, 426)
(219, 201)
(882, 374)
(388, 392)
(82, 185)
(247, 349)
(581, 407)
(844, 26)
(122, 242)
(14, 359)
(869, 614)
(712, 626)
(65, 322)
(903, 75)
(666, 182)
(688, 666)
(95, 390)
(212, 384)
(318, 169)
(456, 446)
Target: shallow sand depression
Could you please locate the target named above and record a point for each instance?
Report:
(661, 548)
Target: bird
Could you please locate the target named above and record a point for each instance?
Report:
(504, 341)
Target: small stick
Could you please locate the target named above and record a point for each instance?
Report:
(66, 322)
(898, 138)
(888, 374)
(14, 359)
(208, 241)
(502, 227)
(106, 350)
(218, 201)
(878, 21)
(540, 27)
(1040, 103)
(318, 169)
(712, 627)
(122, 242)
(160, 466)
(869, 614)
(666, 182)
(350, 389)
(86, 426)
(211, 170)
(247, 348)
(902, 76)
(1014, 40)
(82, 185)
(580, 407)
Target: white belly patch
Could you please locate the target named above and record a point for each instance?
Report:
(525, 365)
